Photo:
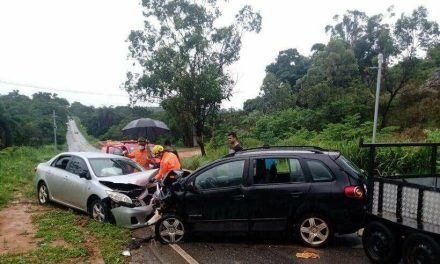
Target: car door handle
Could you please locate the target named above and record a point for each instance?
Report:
(238, 197)
(296, 194)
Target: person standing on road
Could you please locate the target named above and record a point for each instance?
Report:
(168, 161)
(234, 145)
(142, 155)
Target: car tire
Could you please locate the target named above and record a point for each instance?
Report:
(380, 244)
(43, 194)
(420, 248)
(170, 229)
(98, 211)
(314, 230)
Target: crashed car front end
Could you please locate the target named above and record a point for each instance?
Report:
(130, 205)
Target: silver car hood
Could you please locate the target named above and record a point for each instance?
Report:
(140, 178)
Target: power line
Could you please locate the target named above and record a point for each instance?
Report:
(31, 86)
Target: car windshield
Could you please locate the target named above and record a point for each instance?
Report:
(105, 167)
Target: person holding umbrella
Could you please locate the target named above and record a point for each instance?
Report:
(142, 155)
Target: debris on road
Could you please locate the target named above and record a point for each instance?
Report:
(307, 255)
(126, 253)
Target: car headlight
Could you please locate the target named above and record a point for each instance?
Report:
(119, 197)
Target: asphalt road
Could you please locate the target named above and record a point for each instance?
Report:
(234, 250)
(75, 139)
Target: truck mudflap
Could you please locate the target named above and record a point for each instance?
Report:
(132, 217)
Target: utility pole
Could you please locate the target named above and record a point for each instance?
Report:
(376, 106)
(54, 129)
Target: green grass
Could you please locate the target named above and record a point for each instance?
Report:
(194, 162)
(16, 177)
(111, 239)
(74, 229)
(52, 226)
(16, 167)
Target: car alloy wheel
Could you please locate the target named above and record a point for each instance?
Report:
(314, 231)
(170, 230)
(43, 194)
(98, 212)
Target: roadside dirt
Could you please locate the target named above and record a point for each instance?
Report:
(16, 229)
(17, 232)
(188, 152)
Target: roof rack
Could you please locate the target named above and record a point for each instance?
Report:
(314, 149)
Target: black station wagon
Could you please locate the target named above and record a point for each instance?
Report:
(305, 192)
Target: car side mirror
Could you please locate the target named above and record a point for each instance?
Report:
(84, 174)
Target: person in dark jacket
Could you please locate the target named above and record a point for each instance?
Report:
(234, 145)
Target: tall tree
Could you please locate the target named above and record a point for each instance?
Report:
(400, 43)
(184, 56)
(275, 94)
(289, 66)
(330, 76)
(413, 33)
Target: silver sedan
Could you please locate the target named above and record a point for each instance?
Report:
(107, 187)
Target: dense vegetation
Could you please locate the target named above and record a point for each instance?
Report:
(107, 122)
(325, 98)
(28, 121)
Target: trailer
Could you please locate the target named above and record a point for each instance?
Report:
(403, 212)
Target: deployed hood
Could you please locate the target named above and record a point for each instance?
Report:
(139, 179)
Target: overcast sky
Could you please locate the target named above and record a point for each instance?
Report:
(80, 45)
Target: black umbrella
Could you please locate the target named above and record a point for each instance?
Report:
(145, 127)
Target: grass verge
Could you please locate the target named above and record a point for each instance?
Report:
(16, 167)
(111, 239)
(79, 235)
(54, 226)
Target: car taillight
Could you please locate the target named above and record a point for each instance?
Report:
(355, 192)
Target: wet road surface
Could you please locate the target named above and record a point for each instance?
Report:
(75, 140)
(208, 249)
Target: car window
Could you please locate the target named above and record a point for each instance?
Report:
(61, 162)
(115, 151)
(224, 175)
(77, 166)
(104, 167)
(277, 170)
(319, 171)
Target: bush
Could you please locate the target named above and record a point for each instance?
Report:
(194, 162)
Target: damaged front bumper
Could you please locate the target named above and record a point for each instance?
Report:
(132, 218)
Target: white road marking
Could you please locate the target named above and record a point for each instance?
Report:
(183, 254)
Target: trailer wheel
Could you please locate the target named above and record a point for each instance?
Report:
(420, 248)
(380, 244)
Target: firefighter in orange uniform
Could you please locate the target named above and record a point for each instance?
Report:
(168, 161)
(142, 155)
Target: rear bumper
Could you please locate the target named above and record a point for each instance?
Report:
(132, 217)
